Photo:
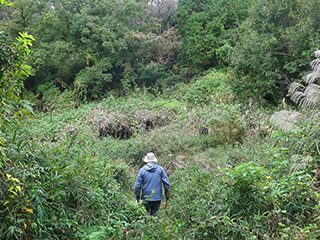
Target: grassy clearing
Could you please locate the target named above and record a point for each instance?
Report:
(240, 180)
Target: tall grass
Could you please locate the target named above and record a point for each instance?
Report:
(61, 180)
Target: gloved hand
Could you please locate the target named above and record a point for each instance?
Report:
(167, 195)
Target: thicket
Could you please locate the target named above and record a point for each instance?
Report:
(273, 48)
(205, 26)
(87, 50)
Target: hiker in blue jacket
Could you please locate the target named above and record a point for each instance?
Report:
(150, 179)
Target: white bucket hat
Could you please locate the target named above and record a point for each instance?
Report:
(150, 158)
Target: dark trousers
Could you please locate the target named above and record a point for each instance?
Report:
(152, 207)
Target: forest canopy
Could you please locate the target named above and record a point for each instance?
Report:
(88, 49)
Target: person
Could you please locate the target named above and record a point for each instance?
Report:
(150, 179)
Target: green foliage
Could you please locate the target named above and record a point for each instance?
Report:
(63, 187)
(157, 66)
(210, 88)
(80, 186)
(91, 81)
(203, 26)
(4, 2)
(93, 48)
(273, 48)
(222, 123)
(74, 36)
(246, 200)
(243, 190)
(14, 70)
(60, 179)
(152, 73)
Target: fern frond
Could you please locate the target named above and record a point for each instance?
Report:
(315, 63)
(297, 97)
(286, 120)
(312, 77)
(298, 166)
(316, 53)
(294, 87)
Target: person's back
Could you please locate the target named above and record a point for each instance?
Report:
(150, 180)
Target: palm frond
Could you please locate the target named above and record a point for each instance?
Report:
(294, 87)
(312, 77)
(286, 120)
(297, 97)
(315, 63)
(316, 53)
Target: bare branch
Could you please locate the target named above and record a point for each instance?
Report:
(285, 54)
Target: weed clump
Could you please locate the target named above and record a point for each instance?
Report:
(121, 125)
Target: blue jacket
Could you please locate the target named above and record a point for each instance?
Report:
(150, 179)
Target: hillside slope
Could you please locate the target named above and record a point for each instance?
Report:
(233, 174)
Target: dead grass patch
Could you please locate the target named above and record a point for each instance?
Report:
(120, 125)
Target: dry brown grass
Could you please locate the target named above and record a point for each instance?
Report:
(120, 125)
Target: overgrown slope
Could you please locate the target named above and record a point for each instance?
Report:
(237, 176)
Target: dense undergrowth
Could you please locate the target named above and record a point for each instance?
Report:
(243, 179)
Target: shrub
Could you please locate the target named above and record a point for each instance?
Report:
(210, 88)
(221, 122)
(272, 48)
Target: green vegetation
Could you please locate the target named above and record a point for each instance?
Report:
(205, 28)
(14, 69)
(243, 179)
(90, 87)
(273, 47)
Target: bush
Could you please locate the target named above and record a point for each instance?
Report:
(210, 88)
(221, 122)
(272, 48)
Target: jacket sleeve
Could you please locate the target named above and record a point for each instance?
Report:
(166, 184)
(138, 185)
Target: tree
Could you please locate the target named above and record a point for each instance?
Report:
(162, 12)
(14, 70)
(203, 27)
(75, 36)
(273, 48)
(151, 59)
(101, 31)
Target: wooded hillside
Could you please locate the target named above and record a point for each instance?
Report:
(224, 92)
